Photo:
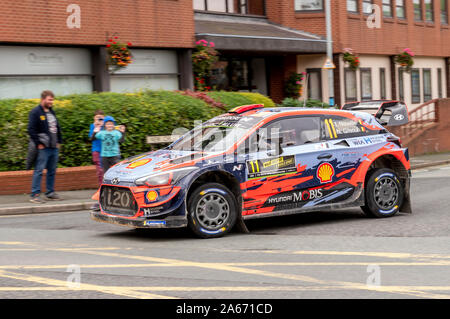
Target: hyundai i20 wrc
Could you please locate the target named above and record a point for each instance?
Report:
(258, 162)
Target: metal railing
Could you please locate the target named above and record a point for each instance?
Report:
(423, 117)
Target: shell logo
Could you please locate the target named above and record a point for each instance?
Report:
(325, 173)
(152, 196)
(139, 163)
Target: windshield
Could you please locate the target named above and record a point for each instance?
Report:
(216, 135)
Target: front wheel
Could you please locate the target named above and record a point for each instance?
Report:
(212, 210)
(384, 194)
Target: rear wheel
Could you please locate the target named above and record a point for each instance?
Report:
(212, 210)
(384, 194)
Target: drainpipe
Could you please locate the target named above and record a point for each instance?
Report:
(329, 51)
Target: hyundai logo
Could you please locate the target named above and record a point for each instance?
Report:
(115, 181)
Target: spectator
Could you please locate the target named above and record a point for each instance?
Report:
(44, 131)
(97, 144)
(110, 138)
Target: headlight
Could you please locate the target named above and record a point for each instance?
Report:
(164, 178)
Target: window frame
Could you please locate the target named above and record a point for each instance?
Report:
(387, 5)
(367, 3)
(362, 71)
(429, 11)
(350, 71)
(357, 6)
(383, 85)
(427, 96)
(440, 86)
(443, 12)
(418, 10)
(416, 98)
(319, 72)
(403, 7)
(308, 11)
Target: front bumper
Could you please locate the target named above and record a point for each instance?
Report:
(168, 222)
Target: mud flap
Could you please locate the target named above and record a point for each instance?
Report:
(406, 206)
(241, 227)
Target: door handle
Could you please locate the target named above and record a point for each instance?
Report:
(324, 156)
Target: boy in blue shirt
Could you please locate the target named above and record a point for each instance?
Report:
(110, 138)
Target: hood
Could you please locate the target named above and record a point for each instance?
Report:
(135, 167)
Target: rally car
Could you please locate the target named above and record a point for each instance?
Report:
(258, 162)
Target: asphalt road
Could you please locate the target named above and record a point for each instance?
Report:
(338, 254)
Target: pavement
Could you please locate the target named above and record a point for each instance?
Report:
(81, 199)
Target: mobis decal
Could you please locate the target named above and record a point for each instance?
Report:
(325, 173)
(295, 197)
(269, 167)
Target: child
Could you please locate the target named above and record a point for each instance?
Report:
(110, 138)
(97, 144)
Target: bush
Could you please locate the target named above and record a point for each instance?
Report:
(289, 102)
(144, 113)
(234, 99)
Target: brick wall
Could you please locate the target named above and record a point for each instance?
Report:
(147, 23)
(351, 30)
(74, 178)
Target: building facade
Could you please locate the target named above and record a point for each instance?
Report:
(60, 45)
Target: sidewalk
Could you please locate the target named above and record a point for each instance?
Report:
(81, 200)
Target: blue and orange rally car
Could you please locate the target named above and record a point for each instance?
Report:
(257, 162)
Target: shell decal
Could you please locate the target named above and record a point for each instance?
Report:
(325, 173)
(139, 163)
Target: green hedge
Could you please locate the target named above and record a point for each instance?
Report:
(144, 113)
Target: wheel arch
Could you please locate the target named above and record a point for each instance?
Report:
(392, 162)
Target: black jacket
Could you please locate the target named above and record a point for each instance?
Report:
(38, 126)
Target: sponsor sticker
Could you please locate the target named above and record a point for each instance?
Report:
(325, 173)
(139, 163)
(155, 223)
(271, 167)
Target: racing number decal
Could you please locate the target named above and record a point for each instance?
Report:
(331, 129)
(253, 167)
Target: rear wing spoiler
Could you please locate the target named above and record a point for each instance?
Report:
(389, 113)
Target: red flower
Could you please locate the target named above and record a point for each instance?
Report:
(114, 42)
(129, 44)
(108, 45)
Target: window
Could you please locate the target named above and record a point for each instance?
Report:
(387, 8)
(418, 10)
(401, 90)
(314, 84)
(382, 83)
(251, 7)
(429, 14)
(308, 5)
(426, 85)
(352, 6)
(367, 6)
(400, 9)
(440, 93)
(444, 12)
(366, 84)
(350, 85)
(415, 86)
(294, 131)
(335, 127)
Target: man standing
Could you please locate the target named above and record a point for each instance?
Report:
(45, 132)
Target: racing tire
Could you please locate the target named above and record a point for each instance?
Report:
(384, 194)
(212, 211)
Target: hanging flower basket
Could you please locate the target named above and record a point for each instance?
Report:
(203, 59)
(294, 85)
(351, 59)
(119, 55)
(405, 59)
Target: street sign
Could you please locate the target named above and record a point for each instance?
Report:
(329, 65)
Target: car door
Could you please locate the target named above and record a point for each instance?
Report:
(281, 165)
(349, 143)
